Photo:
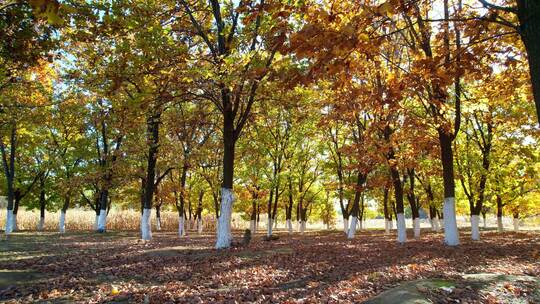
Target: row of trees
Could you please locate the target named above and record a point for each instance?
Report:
(154, 104)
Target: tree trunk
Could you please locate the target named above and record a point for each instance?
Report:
(288, 209)
(158, 217)
(8, 162)
(413, 203)
(258, 216)
(387, 213)
(298, 217)
(500, 227)
(199, 213)
(18, 196)
(516, 221)
(529, 30)
(303, 219)
(224, 235)
(102, 221)
(269, 212)
(398, 196)
(62, 221)
(398, 189)
(253, 218)
(360, 179)
(152, 135)
(42, 205)
(451, 234)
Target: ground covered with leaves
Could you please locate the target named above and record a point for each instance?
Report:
(314, 267)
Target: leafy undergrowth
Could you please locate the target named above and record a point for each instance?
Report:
(314, 267)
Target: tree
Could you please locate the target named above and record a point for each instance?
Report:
(239, 57)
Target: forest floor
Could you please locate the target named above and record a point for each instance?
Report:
(316, 267)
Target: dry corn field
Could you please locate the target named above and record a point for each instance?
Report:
(81, 220)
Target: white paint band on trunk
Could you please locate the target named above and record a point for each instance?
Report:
(269, 227)
(9, 221)
(199, 225)
(352, 229)
(14, 222)
(401, 228)
(253, 227)
(96, 223)
(386, 226)
(146, 224)
(181, 226)
(158, 223)
(302, 226)
(224, 236)
(500, 227)
(346, 225)
(289, 226)
(451, 234)
(41, 224)
(102, 221)
(516, 224)
(475, 228)
(62, 222)
(416, 228)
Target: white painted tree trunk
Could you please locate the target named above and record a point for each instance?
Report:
(224, 236)
(416, 228)
(9, 222)
(352, 229)
(253, 227)
(346, 225)
(516, 224)
(199, 225)
(289, 226)
(62, 222)
(102, 221)
(475, 227)
(146, 224)
(302, 226)
(41, 224)
(158, 223)
(181, 226)
(298, 224)
(500, 227)
(14, 222)
(401, 228)
(451, 234)
(386, 226)
(269, 227)
(360, 225)
(485, 222)
(96, 223)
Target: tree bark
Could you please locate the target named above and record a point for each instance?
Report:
(500, 205)
(152, 135)
(529, 29)
(42, 204)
